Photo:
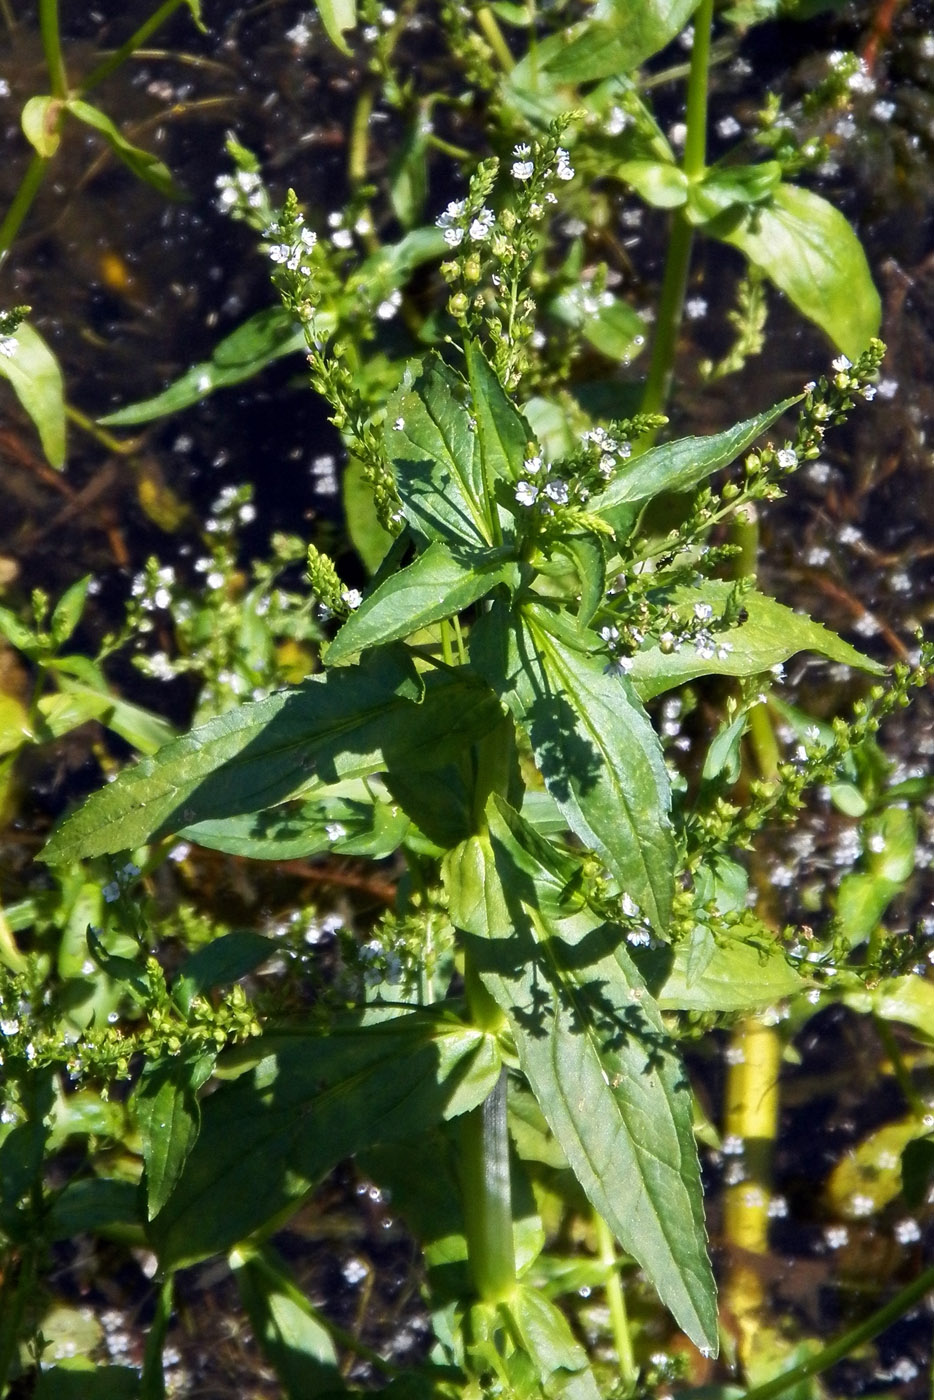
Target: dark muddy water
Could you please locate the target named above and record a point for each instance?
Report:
(130, 290)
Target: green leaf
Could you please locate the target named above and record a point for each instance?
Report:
(588, 554)
(336, 16)
(614, 328)
(436, 451)
(593, 1047)
(439, 583)
(81, 1379)
(681, 465)
(408, 172)
(285, 1326)
(502, 430)
(811, 253)
(265, 337)
(312, 1100)
(41, 121)
(599, 755)
(620, 37)
(22, 1151)
(143, 164)
(367, 535)
(909, 999)
(560, 1361)
(737, 977)
(296, 830)
(351, 722)
(169, 1117)
(36, 379)
(660, 183)
(93, 1205)
(68, 610)
(224, 960)
(724, 186)
(770, 634)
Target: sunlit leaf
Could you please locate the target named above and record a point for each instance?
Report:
(353, 721)
(440, 583)
(811, 253)
(337, 16)
(169, 1117)
(286, 1327)
(681, 465)
(41, 121)
(599, 755)
(770, 634)
(609, 1081)
(34, 373)
(619, 37)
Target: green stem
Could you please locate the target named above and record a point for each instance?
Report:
(487, 1196)
(52, 48)
(494, 37)
(21, 203)
(844, 1346)
(678, 261)
(358, 145)
(616, 1302)
(135, 41)
(695, 141)
(668, 319)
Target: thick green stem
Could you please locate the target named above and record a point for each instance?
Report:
(52, 48)
(850, 1341)
(487, 1197)
(678, 261)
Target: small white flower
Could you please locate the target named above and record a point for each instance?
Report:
(335, 830)
(619, 666)
(558, 492)
(842, 363)
(703, 612)
(523, 169)
(482, 226)
(452, 213)
(453, 237)
(526, 493)
(532, 465)
(564, 169)
(787, 459)
(8, 346)
(342, 238)
(352, 597)
(399, 425)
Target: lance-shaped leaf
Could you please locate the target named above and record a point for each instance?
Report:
(143, 164)
(311, 1101)
(770, 634)
(286, 1327)
(351, 722)
(503, 432)
(681, 465)
(607, 1077)
(620, 37)
(336, 16)
(36, 379)
(169, 1117)
(599, 755)
(811, 253)
(431, 437)
(439, 583)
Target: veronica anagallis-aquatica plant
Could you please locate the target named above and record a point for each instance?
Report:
(490, 690)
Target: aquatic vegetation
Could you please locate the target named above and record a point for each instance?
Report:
(492, 711)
